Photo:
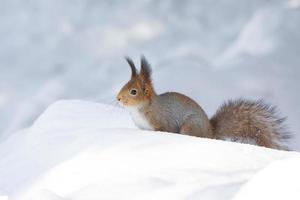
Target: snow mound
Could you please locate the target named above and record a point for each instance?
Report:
(279, 180)
(85, 151)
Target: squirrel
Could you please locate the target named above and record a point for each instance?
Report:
(244, 121)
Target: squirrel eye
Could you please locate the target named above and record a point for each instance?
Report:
(133, 92)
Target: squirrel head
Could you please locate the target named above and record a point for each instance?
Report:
(139, 89)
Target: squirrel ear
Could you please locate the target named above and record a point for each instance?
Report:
(132, 66)
(145, 70)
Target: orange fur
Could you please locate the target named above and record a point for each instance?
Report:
(142, 83)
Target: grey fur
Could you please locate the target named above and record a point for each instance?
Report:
(250, 120)
(173, 111)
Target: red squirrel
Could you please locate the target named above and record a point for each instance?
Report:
(245, 121)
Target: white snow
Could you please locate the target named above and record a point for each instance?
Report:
(255, 39)
(294, 3)
(279, 180)
(79, 150)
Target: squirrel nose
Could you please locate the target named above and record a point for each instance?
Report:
(119, 98)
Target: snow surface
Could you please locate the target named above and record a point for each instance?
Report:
(211, 50)
(79, 150)
(280, 180)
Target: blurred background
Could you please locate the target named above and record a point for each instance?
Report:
(211, 50)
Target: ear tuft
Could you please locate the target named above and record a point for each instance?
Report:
(145, 69)
(132, 66)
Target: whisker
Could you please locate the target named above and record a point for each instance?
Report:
(114, 108)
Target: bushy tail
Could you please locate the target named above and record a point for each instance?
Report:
(253, 122)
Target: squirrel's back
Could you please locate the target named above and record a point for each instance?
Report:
(170, 111)
(250, 122)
